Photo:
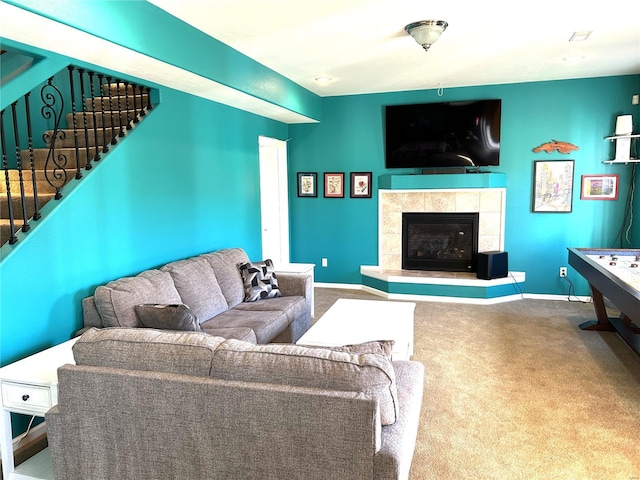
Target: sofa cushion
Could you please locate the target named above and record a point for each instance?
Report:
(260, 281)
(310, 367)
(168, 317)
(116, 300)
(293, 307)
(238, 333)
(266, 325)
(147, 349)
(225, 265)
(198, 287)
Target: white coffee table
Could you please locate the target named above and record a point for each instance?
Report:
(351, 321)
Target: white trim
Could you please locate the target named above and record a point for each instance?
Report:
(435, 298)
(565, 298)
(465, 279)
(343, 286)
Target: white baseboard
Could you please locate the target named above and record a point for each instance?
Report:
(343, 286)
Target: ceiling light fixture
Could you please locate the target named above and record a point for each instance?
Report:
(323, 79)
(580, 36)
(426, 32)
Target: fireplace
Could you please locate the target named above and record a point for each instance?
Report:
(440, 241)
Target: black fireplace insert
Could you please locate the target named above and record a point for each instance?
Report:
(440, 241)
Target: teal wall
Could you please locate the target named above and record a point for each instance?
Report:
(351, 138)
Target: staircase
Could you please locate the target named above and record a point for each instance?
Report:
(103, 120)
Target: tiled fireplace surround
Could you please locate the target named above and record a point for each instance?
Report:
(488, 202)
(447, 193)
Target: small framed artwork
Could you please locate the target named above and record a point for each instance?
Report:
(307, 184)
(599, 187)
(334, 185)
(553, 186)
(360, 184)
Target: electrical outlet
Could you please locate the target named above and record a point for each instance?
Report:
(563, 272)
(324, 262)
(635, 99)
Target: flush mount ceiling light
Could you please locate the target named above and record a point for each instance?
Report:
(580, 36)
(426, 32)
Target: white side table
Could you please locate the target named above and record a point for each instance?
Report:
(30, 386)
(298, 269)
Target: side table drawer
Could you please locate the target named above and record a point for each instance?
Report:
(20, 396)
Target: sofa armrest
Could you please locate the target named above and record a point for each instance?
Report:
(295, 285)
(90, 314)
(394, 458)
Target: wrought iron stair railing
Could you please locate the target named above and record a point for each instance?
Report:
(98, 111)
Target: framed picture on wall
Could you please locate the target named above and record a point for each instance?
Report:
(553, 186)
(360, 184)
(307, 184)
(599, 187)
(334, 184)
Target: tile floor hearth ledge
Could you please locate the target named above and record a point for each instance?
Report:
(454, 287)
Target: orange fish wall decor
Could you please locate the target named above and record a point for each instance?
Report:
(553, 145)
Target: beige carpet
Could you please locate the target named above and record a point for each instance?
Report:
(518, 391)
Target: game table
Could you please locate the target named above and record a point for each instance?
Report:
(614, 274)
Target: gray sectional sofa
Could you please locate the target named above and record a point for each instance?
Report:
(213, 288)
(146, 404)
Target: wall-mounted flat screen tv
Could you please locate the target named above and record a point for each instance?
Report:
(444, 134)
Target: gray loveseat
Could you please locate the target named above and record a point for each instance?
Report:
(145, 404)
(212, 287)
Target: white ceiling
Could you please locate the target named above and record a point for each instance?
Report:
(362, 44)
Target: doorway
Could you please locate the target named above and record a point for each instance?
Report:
(274, 199)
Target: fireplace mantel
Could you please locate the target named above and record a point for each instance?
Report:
(442, 181)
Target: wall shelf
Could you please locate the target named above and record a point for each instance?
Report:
(616, 137)
(623, 148)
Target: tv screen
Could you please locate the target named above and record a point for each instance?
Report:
(445, 134)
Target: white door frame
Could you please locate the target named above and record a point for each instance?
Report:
(274, 199)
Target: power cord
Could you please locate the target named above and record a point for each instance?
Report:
(515, 282)
(572, 289)
(19, 438)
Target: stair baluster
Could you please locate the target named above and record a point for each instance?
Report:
(94, 114)
(32, 164)
(105, 144)
(5, 166)
(85, 124)
(75, 125)
(16, 136)
(128, 107)
(120, 122)
(54, 167)
(135, 103)
(114, 140)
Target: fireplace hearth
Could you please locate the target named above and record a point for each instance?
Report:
(440, 241)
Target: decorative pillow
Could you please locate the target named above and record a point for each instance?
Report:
(168, 317)
(260, 281)
(296, 365)
(379, 347)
